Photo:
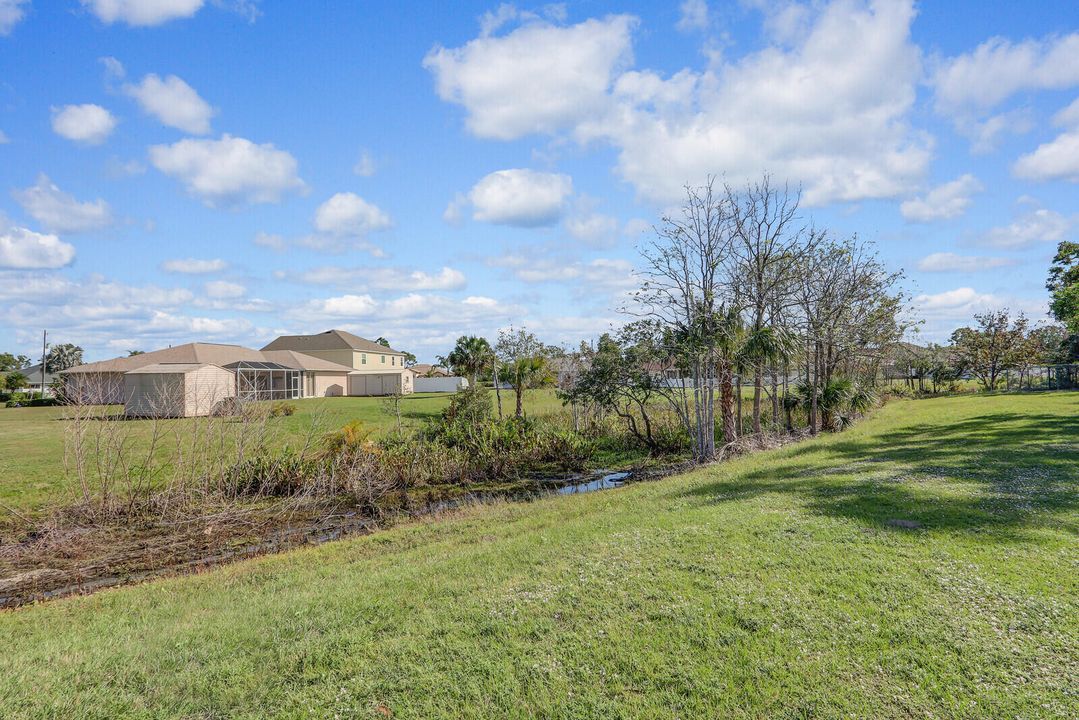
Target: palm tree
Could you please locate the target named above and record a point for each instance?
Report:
(523, 373)
(62, 357)
(469, 356)
(840, 400)
(766, 345)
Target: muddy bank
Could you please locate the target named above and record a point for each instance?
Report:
(59, 562)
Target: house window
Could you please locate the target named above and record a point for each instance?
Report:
(383, 359)
(363, 358)
(393, 360)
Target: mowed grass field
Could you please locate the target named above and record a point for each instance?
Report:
(924, 563)
(32, 466)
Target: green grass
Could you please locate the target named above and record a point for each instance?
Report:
(770, 586)
(32, 473)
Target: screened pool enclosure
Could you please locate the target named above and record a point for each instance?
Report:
(260, 380)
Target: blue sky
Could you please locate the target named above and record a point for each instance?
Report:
(231, 170)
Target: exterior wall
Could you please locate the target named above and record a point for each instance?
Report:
(441, 384)
(157, 395)
(376, 361)
(366, 361)
(341, 357)
(328, 384)
(189, 394)
(101, 388)
(205, 388)
(377, 384)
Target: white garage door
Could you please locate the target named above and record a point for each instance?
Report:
(372, 384)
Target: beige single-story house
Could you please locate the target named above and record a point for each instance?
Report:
(254, 375)
(376, 369)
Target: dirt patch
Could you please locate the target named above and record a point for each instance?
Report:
(81, 560)
(48, 563)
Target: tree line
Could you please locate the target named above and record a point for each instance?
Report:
(736, 292)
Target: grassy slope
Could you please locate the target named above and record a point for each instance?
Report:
(32, 443)
(769, 586)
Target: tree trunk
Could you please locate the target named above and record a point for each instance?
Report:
(726, 403)
(498, 392)
(812, 382)
(757, 385)
(738, 413)
(775, 396)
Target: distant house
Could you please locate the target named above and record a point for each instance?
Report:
(33, 378)
(254, 375)
(376, 369)
(425, 370)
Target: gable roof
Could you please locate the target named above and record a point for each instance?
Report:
(191, 353)
(168, 368)
(329, 340)
(210, 354)
(302, 361)
(32, 373)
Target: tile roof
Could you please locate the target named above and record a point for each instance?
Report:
(329, 340)
(210, 354)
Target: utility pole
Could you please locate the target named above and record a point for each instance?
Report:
(44, 335)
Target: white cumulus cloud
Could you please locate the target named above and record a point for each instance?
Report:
(25, 249)
(827, 106)
(194, 266)
(1069, 116)
(230, 170)
(1035, 227)
(349, 214)
(173, 102)
(692, 15)
(520, 197)
(142, 13)
(951, 262)
(11, 12)
(943, 312)
(535, 79)
(88, 124)
(59, 211)
(384, 278)
(977, 81)
(224, 289)
(943, 202)
(1054, 160)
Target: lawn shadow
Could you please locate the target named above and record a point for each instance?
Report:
(1001, 473)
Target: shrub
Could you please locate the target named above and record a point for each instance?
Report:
(285, 474)
(565, 448)
(352, 437)
(282, 409)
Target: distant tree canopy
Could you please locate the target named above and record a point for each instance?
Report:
(9, 361)
(383, 342)
(61, 357)
(133, 353)
(523, 363)
(1063, 284)
(469, 357)
(410, 359)
(15, 380)
(997, 345)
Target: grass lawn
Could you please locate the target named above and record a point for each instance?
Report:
(778, 585)
(32, 439)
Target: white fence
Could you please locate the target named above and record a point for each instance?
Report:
(440, 384)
